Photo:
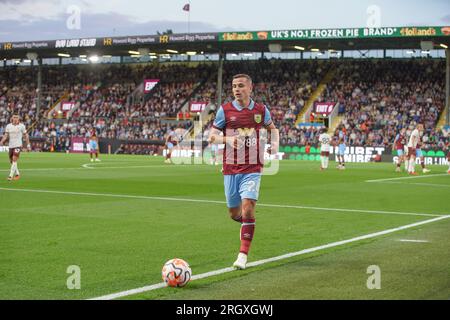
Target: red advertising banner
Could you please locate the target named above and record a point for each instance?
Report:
(324, 108)
(77, 145)
(197, 106)
(149, 84)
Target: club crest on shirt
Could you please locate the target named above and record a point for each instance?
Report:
(258, 118)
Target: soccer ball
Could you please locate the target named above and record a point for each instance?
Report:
(176, 273)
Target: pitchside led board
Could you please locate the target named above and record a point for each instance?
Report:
(78, 145)
(149, 84)
(359, 154)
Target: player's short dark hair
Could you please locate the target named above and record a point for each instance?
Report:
(243, 75)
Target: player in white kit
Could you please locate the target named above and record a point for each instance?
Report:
(414, 139)
(15, 132)
(324, 140)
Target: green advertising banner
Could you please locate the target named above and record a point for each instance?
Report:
(343, 33)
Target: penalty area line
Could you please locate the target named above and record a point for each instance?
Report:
(273, 259)
(126, 196)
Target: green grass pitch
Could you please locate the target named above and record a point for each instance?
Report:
(119, 220)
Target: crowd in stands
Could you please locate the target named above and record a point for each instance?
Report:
(282, 85)
(376, 98)
(383, 96)
(115, 99)
(102, 98)
(19, 94)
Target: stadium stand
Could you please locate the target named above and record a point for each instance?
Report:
(375, 98)
(379, 97)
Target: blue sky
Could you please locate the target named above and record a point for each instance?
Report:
(47, 19)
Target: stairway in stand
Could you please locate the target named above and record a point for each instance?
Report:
(320, 88)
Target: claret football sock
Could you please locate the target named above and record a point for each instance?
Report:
(247, 231)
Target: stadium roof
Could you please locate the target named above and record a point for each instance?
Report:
(237, 42)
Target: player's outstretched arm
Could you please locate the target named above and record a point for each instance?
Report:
(4, 138)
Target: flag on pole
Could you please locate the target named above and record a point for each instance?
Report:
(186, 7)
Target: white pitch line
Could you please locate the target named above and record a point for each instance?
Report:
(420, 184)
(264, 261)
(43, 169)
(410, 240)
(409, 177)
(352, 210)
(87, 166)
(127, 196)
